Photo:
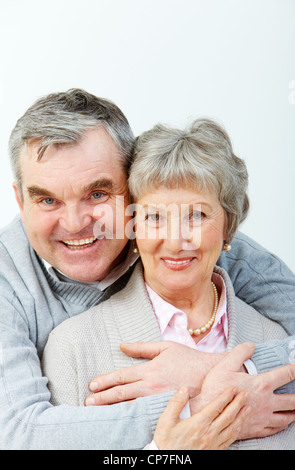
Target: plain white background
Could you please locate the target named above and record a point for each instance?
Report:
(169, 61)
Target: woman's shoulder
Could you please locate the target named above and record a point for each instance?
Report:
(80, 326)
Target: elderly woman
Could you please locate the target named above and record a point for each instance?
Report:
(190, 194)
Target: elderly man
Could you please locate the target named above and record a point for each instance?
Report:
(70, 156)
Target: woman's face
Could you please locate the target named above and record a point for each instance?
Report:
(179, 234)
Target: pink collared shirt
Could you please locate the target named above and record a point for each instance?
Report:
(173, 322)
(173, 327)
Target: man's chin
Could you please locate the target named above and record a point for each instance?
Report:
(90, 264)
(83, 274)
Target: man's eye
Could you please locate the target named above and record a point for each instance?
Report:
(97, 195)
(48, 201)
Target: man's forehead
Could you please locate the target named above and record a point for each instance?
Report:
(91, 138)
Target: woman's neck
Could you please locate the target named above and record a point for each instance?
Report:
(198, 303)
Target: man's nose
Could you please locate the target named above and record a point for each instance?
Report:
(75, 219)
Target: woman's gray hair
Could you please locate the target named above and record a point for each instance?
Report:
(62, 118)
(199, 157)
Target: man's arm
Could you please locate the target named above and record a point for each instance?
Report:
(270, 412)
(29, 421)
(263, 281)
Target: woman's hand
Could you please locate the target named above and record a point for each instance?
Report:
(216, 427)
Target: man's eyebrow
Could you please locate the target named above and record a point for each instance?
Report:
(101, 183)
(36, 191)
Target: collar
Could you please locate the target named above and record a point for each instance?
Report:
(112, 277)
(165, 311)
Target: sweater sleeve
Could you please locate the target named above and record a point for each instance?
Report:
(29, 421)
(61, 374)
(263, 281)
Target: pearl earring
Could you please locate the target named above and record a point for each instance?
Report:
(226, 247)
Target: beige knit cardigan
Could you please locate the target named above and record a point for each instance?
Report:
(87, 345)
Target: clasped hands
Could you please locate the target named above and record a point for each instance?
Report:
(206, 377)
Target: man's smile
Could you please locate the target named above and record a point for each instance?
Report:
(79, 244)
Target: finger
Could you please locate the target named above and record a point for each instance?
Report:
(281, 376)
(277, 423)
(117, 377)
(282, 420)
(284, 402)
(175, 406)
(144, 350)
(217, 406)
(236, 358)
(266, 432)
(115, 395)
(231, 433)
(232, 413)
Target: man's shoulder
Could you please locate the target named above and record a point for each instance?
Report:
(15, 248)
(248, 254)
(13, 234)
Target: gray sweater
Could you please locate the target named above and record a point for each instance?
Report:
(90, 342)
(32, 303)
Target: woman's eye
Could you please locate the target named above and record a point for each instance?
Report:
(196, 215)
(154, 217)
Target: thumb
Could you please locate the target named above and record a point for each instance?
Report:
(175, 406)
(236, 358)
(143, 350)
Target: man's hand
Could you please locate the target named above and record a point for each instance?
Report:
(171, 366)
(270, 412)
(216, 427)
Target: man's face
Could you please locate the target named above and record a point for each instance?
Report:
(64, 196)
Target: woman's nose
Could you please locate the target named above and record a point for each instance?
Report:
(180, 237)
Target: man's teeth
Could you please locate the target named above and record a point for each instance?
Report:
(79, 243)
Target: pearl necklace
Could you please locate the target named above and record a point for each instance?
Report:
(203, 329)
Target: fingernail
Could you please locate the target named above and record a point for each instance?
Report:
(90, 401)
(93, 386)
(183, 390)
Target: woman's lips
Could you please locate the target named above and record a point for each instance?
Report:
(178, 264)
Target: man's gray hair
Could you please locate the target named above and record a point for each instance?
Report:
(199, 157)
(62, 118)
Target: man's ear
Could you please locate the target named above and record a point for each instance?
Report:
(19, 198)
